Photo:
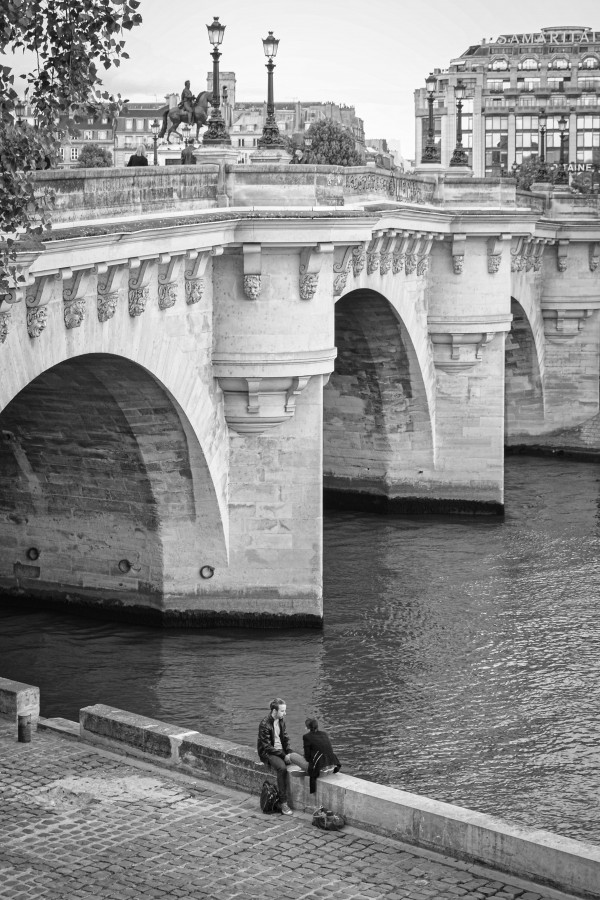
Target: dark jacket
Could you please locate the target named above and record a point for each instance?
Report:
(318, 753)
(266, 739)
(136, 160)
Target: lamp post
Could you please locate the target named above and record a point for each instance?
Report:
(19, 111)
(155, 128)
(307, 145)
(270, 133)
(542, 174)
(431, 154)
(562, 176)
(216, 132)
(459, 157)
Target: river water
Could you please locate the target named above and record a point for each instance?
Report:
(459, 657)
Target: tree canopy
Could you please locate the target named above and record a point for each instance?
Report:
(332, 145)
(93, 156)
(66, 41)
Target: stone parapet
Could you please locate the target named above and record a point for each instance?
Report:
(18, 699)
(464, 834)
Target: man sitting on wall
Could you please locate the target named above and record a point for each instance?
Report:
(273, 747)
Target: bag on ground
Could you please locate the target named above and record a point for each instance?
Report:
(269, 798)
(327, 819)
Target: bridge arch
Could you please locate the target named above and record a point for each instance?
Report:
(105, 492)
(524, 371)
(378, 404)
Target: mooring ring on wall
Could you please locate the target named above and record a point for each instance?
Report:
(207, 572)
(33, 553)
(124, 566)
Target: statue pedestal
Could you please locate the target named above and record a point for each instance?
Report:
(216, 154)
(277, 156)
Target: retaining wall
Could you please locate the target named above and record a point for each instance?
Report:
(18, 699)
(528, 853)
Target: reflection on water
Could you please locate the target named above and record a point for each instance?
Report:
(458, 660)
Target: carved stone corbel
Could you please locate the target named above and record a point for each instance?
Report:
(342, 259)
(109, 289)
(4, 324)
(139, 286)
(74, 286)
(374, 252)
(385, 258)
(538, 256)
(562, 255)
(424, 254)
(169, 268)
(517, 255)
(255, 404)
(495, 247)
(399, 253)
(359, 257)
(459, 246)
(594, 255)
(36, 300)
(252, 256)
(311, 260)
(563, 323)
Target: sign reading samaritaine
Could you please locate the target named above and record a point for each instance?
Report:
(550, 37)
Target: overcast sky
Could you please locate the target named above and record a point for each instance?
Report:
(368, 53)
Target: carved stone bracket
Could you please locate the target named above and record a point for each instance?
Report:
(455, 352)
(519, 254)
(495, 247)
(169, 268)
(423, 253)
(342, 259)
(562, 323)
(74, 290)
(139, 286)
(255, 404)
(109, 289)
(387, 248)
(311, 260)
(594, 255)
(538, 255)
(36, 299)
(4, 323)
(252, 256)
(194, 273)
(359, 257)
(374, 253)
(562, 256)
(402, 244)
(459, 246)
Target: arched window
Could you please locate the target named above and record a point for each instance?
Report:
(561, 62)
(499, 65)
(529, 64)
(590, 62)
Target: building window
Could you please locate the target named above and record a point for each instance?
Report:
(61, 152)
(241, 142)
(74, 153)
(556, 84)
(88, 135)
(526, 137)
(499, 65)
(560, 63)
(128, 124)
(90, 121)
(530, 64)
(588, 139)
(496, 144)
(527, 101)
(497, 84)
(103, 135)
(105, 121)
(590, 62)
(528, 84)
(589, 82)
(139, 124)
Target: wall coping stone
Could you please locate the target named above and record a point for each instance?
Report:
(18, 699)
(465, 834)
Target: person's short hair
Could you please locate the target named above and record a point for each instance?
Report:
(276, 703)
(140, 150)
(312, 724)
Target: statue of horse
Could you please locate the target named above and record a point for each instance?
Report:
(176, 116)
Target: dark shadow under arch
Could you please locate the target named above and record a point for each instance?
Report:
(523, 399)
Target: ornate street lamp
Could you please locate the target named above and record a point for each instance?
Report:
(155, 128)
(459, 157)
(216, 132)
(186, 134)
(542, 174)
(270, 133)
(19, 111)
(431, 154)
(562, 176)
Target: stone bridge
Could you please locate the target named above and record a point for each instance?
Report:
(196, 354)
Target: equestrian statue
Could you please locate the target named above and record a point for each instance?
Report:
(192, 110)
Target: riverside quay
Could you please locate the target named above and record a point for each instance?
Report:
(195, 357)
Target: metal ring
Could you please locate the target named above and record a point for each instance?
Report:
(207, 572)
(124, 566)
(33, 553)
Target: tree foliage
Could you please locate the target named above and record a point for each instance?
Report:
(332, 145)
(67, 41)
(93, 156)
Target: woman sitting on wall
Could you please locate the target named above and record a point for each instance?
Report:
(318, 753)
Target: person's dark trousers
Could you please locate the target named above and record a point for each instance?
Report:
(280, 767)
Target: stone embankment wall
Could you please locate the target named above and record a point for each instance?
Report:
(569, 865)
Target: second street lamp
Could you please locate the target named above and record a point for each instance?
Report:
(216, 132)
(543, 175)
(270, 133)
(155, 128)
(562, 176)
(431, 154)
(459, 157)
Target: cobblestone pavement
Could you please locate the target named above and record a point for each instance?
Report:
(77, 823)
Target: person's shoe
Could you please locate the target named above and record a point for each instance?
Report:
(285, 810)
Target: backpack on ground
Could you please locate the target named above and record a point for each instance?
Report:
(327, 820)
(269, 798)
